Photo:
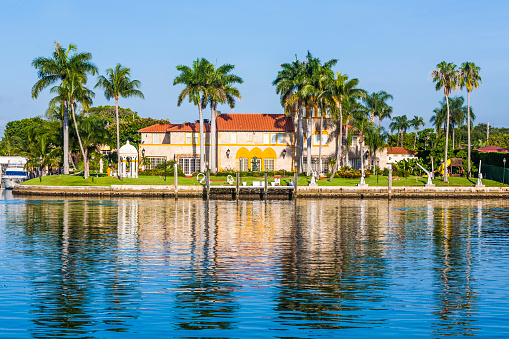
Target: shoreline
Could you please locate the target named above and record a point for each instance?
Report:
(250, 192)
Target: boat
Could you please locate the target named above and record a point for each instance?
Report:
(14, 174)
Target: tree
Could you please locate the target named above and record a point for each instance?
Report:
(400, 124)
(469, 79)
(57, 68)
(118, 84)
(220, 89)
(73, 90)
(343, 90)
(93, 131)
(445, 77)
(376, 104)
(416, 122)
(363, 127)
(289, 81)
(376, 139)
(458, 113)
(195, 80)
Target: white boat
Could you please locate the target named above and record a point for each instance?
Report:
(14, 174)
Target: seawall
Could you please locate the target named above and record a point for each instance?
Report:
(229, 192)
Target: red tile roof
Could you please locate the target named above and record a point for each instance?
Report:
(492, 149)
(188, 127)
(254, 122)
(399, 150)
(157, 128)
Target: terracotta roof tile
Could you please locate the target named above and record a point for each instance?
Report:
(254, 122)
(399, 150)
(157, 128)
(188, 127)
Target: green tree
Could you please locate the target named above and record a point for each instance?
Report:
(73, 90)
(362, 126)
(220, 89)
(195, 81)
(93, 131)
(400, 124)
(57, 68)
(118, 84)
(416, 122)
(376, 139)
(289, 81)
(445, 77)
(376, 104)
(342, 89)
(469, 79)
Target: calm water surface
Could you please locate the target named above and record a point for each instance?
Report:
(90, 268)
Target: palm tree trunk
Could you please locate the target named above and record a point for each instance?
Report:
(79, 138)
(347, 147)
(453, 135)
(118, 139)
(468, 132)
(300, 147)
(213, 137)
(339, 143)
(309, 145)
(362, 154)
(446, 140)
(202, 139)
(401, 137)
(66, 137)
(415, 139)
(320, 148)
(86, 164)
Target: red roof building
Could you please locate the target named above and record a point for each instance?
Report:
(157, 128)
(492, 149)
(400, 150)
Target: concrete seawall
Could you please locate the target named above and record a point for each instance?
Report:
(302, 192)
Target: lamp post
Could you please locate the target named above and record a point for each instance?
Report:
(228, 153)
(284, 153)
(503, 177)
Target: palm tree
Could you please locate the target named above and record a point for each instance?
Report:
(445, 77)
(376, 104)
(363, 126)
(376, 139)
(289, 81)
(57, 68)
(118, 84)
(416, 122)
(220, 89)
(73, 90)
(400, 124)
(195, 80)
(469, 79)
(458, 114)
(342, 90)
(93, 134)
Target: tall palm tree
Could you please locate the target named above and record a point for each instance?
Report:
(469, 79)
(376, 104)
(416, 122)
(73, 90)
(289, 81)
(55, 69)
(342, 90)
(376, 139)
(445, 77)
(363, 126)
(220, 89)
(195, 80)
(439, 118)
(118, 84)
(400, 124)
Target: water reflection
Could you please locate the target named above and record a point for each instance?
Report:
(308, 267)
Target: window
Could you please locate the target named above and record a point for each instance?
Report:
(196, 138)
(316, 139)
(354, 140)
(189, 138)
(280, 138)
(328, 113)
(243, 164)
(189, 165)
(273, 138)
(152, 162)
(325, 138)
(249, 136)
(155, 138)
(319, 113)
(268, 165)
(304, 112)
(311, 112)
(233, 138)
(266, 138)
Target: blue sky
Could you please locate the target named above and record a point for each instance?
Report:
(387, 45)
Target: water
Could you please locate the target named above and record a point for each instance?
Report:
(91, 268)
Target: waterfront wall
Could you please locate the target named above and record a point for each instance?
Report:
(271, 193)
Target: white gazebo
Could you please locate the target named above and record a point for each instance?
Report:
(128, 158)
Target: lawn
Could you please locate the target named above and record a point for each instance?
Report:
(71, 180)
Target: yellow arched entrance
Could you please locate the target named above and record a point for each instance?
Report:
(269, 153)
(256, 152)
(242, 153)
(269, 159)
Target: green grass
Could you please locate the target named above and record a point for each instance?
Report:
(70, 180)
